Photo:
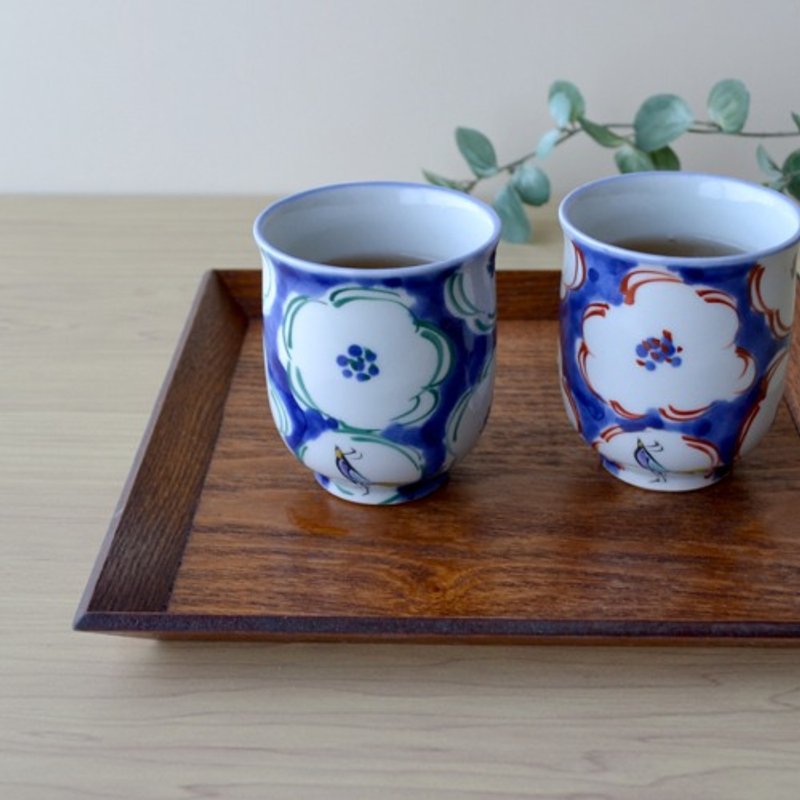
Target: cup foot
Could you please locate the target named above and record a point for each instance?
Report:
(378, 494)
(664, 481)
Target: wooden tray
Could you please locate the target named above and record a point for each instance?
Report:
(220, 533)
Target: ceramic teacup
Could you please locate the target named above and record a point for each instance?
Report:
(379, 332)
(677, 301)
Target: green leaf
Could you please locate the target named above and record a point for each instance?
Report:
(660, 120)
(729, 104)
(796, 118)
(577, 105)
(665, 159)
(478, 151)
(560, 109)
(532, 185)
(791, 173)
(768, 166)
(631, 159)
(516, 225)
(448, 183)
(601, 134)
(547, 143)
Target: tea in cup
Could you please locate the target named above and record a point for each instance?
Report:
(379, 332)
(677, 304)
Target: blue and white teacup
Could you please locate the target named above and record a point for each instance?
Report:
(379, 332)
(677, 302)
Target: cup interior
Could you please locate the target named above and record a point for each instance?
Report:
(426, 223)
(746, 216)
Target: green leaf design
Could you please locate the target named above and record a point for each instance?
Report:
(478, 151)
(444, 352)
(729, 104)
(448, 183)
(791, 173)
(601, 134)
(547, 143)
(631, 159)
(575, 104)
(532, 185)
(660, 120)
(665, 159)
(412, 455)
(279, 413)
(768, 166)
(516, 225)
(796, 118)
(350, 294)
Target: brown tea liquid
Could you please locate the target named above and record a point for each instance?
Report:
(378, 261)
(678, 246)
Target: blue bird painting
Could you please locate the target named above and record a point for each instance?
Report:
(644, 457)
(348, 470)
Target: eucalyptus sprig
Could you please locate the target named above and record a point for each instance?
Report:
(644, 144)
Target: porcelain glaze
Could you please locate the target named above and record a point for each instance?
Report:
(379, 380)
(673, 368)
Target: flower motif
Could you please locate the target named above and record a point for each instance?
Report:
(470, 295)
(358, 355)
(634, 369)
(658, 452)
(772, 294)
(267, 284)
(359, 362)
(468, 418)
(362, 459)
(570, 406)
(655, 350)
(763, 412)
(573, 271)
(281, 415)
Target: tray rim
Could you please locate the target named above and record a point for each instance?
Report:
(158, 622)
(434, 629)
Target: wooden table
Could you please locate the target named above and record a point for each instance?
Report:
(94, 293)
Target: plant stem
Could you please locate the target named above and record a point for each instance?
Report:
(749, 134)
(712, 127)
(510, 166)
(567, 133)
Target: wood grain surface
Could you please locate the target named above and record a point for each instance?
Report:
(530, 541)
(529, 529)
(155, 511)
(95, 293)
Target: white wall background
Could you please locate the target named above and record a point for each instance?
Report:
(241, 96)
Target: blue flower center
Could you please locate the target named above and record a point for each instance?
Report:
(656, 350)
(359, 363)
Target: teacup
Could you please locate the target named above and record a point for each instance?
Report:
(677, 302)
(379, 332)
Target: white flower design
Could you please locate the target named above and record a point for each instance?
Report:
(570, 406)
(573, 271)
(763, 412)
(466, 420)
(656, 455)
(668, 346)
(267, 284)
(360, 460)
(470, 295)
(283, 420)
(359, 356)
(772, 292)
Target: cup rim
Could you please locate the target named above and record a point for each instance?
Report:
(327, 269)
(623, 253)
